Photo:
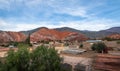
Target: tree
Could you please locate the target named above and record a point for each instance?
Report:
(93, 47)
(18, 61)
(45, 59)
(99, 47)
(40, 59)
(27, 41)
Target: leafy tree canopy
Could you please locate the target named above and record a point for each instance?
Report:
(99, 47)
(40, 59)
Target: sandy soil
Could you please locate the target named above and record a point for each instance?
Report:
(75, 60)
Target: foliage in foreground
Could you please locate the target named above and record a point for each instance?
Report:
(41, 59)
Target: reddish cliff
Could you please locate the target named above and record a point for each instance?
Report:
(76, 36)
(45, 33)
(107, 62)
(114, 36)
(11, 36)
(41, 34)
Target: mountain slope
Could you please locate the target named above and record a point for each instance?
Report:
(64, 33)
(52, 34)
(31, 31)
(90, 34)
(93, 34)
(11, 36)
(67, 29)
(114, 36)
(113, 29)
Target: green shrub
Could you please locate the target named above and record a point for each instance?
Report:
(41, 59)
(81, 46)
(99, 47)
(45, 59)
(46, 42)
(108, 39)
(22, 45)
(93, 47)
(66, 44)
(14, 43)
(19, 44)
(118, 42)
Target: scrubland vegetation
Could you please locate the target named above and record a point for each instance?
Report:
(40, 59)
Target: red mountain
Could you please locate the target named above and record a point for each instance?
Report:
(76, 36)
(114, 36)
(11, 36)
(41, 34)
(51, 34)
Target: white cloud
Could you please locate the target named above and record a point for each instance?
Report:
(94, 25)
(49, 7)
(8, 26)
(2, 23)
(70, 7)
(73, 7)
(82, 12)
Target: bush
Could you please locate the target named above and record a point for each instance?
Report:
(66, 67)
(46, 42)
(99, 47)
(108, 39)
(94, 47)
(41, 59)
(81, 46)
(118, 42)
(20, 45)
(14, 43)
(45, 59)
(66, 44)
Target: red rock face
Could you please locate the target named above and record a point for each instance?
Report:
(76, 36)
(107, 62)
(114, 36)
(45, 33)
(11, 36)
(42, 34)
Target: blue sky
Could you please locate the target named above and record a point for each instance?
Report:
(94, 15)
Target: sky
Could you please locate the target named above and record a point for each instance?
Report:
(93, 15)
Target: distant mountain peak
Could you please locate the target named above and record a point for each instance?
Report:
(90, 34)
(52, 34)
(113, 29)
(43, 28)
